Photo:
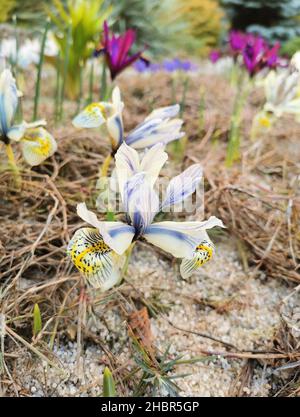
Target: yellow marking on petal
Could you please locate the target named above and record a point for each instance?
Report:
(93, 107)
(38, 136)
(79, 259)
(89, 253)
(97, 262)
(204, 253)
(44, 146)
(264, 121)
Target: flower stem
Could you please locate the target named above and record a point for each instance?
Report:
(91, 83)
(13, 165)
(103, 86)
(233, 148)
(15, 23)
(173, 90)
(127, 260)
(68, 36)
(201, 113)
(57, 88)
(234, 75)
(183, 98)
(39, 71)
(105, 166)
(79, 98)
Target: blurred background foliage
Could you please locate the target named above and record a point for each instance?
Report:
(291, 46)
(29, 12)
(176, 26)
(173, 27)
(6, 8)
(204, 22)
(143, 16)
(78, 30)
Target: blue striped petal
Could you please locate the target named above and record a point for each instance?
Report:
(158, 127)
(141, 202)
(117, 235)
(182, 186)
(8, 100)
(180, 238)
(164, 112)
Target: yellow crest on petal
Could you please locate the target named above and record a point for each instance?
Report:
(203, 253)
(37, 145)
(264, 121)
(97, 262)
(93, 115)
(93, 108)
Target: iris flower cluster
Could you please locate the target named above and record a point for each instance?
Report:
(99, 251)
(252, 51)
(256, 53)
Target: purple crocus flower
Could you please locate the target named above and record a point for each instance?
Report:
(116, 50)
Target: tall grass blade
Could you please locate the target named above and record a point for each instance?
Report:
(65, 69)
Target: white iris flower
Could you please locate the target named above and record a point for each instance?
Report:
(37, 144)
(98, 251)
(159, 127)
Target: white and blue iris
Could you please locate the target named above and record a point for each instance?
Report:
(36, 143)
(8, 107)
(141, 204)
(281, 91)
(160, 126)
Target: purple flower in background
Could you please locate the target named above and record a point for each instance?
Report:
(258, 54)
(253, 54)
(176, 64)
(237, 41)
(255, 51)
(168, 65)
(154, 67)
(271, 56)
(187, 66)
(214, 55)
(142, 65)
(116, 50)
